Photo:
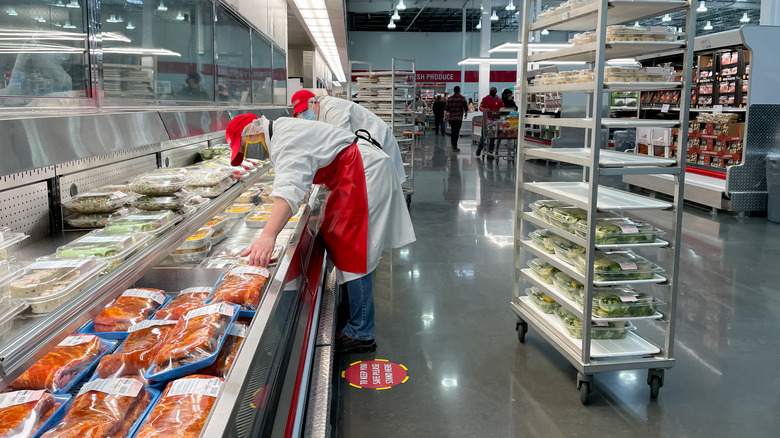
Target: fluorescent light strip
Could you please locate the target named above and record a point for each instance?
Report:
(491, 61)
(140, 51)
(534, 47)
(315, 16)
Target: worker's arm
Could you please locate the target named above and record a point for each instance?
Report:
(263, 247)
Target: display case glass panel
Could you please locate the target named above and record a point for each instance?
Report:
(234, 82)
(262, 82)
(280, 77)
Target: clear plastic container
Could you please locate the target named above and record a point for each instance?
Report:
(112, 249)
(619, 266)
(235, 172)
(217, 223)
(565, 217)
(196, 255)
(238, 210)
(621, 302)
(542, 301)
(8, 239)
(98, 202)
(143, 221)
(567, 251)
(200, 239)
(197, 201)
(9, 309)
(207, 177)
(219, 236)
(620, 231)
(251, 196)
(49, 282)
(568, 286)
(126, 188)
(95, 220)
(258, 219)
(542, 239)
(211, 191)
(11, 269)
(160, 182)
(543, 270)
(540, 208)
(174, 201)
(598, 330)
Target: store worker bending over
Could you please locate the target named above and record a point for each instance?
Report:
(350, 116)
(365, 212)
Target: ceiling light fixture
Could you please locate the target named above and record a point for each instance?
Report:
(511, 6)
(391, 25)
(112, 19)
(73, 4)
(40, 19)
(129, 25)
(666, 18)
(494, 17)
(745, 18)
(401, 6)
(395, 15)
(702, 7)
(68, 25)
(636, 25)
(545, 32)
(479, 25)
(179, 16)
(162, 7)
(315, 16)
(708, 26)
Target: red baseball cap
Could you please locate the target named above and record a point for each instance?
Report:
(300, 101)
(233, 136)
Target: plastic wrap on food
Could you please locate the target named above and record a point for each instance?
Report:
(229, 351)
(194, 340)
(207, 177)
(217, 223)
(49, 282)
(98, 202)
(132, 307)
(197, 200)
(8, 239)
(174, 201)
(183, 408)
(250, 196)
(186, 300)
(57, 368)
(104, 408)
(235, 172)
(113, 249)
(194, 255)
(95, 220)
(22, 413)
(160, 182)
(137, 351)
(238, 210)
(142, 221)
(243, 286)
(199, 239)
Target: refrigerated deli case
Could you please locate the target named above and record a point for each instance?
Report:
(266, 390)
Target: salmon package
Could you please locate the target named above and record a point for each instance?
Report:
(133, 306)
(22, 413)
(242, 285)
(187, 300)
(136, 353)
(194, 341)
(229, 351)
(59, 368)
(104, 408)
(183, 408)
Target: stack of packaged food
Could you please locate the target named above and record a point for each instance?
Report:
(94, 209)
(163, 189)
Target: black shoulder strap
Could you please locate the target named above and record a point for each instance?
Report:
(367, 137)
(270, 129)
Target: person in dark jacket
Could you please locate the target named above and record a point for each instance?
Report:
(438, 114)
(456, 110)
(509, 101)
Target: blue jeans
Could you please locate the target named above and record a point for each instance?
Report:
(361, 308)
(481, 146)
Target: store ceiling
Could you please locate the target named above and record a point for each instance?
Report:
(447, 15)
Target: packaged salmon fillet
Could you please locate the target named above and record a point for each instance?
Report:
(22, 413)
(135, 354)
(133, 306)
(228, 352)
(183, 408)
(59, 368)
(187, 300)
(242, 285)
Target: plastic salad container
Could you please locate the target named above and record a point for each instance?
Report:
(622, 302)
(207, 177)
(566, 217)
(200, 239)
(98, 202)
(174, 201)
(617, 231)
(542, 239)
(217, 223)
(235, 172)
(211, 191)
(619, 266)
(566, 250)
(197, 200)
(598, 330)
(238, 210)
(113, 249)
(49, 282)
(250, 196)
(9, 309)
(160, 182)
(143, 221)
(95, 220)
(568, 286)
(542, 301)
(8, 239)
(540, 208)
(542, 269)
(10, 271)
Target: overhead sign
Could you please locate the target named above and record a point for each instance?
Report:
(375, 374)
(450, 76)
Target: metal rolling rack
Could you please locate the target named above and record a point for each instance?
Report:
(634, 352)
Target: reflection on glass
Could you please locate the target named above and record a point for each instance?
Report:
(43, 49)
(151, 52)
(280, 77)
(262, 85)
(233, 59)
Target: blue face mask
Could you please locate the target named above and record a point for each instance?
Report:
(308, 115)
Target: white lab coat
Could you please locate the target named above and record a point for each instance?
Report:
(351, 116)
(299, 148)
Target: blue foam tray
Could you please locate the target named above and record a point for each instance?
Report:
(89, 328)
(55, 418)
(109, 344)
(241, 313)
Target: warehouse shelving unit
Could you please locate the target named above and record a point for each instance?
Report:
(386, 93)
(590, 356)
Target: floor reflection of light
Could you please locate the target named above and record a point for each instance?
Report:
(501, 241)
(468, 206)
(465, 271)
(627, 377)
(427, 319)
(449, 382)
(404, 253)
(415, 273)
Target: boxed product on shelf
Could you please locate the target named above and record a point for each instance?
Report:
(251, 196)
(542, 301)
(134, 355)
(621, 302)
(160, 182)
(98, 201)
(567, 285)
(642, 33)
(199, 239)
(194, 255)
(543, 270)
(598, 330)
(620, 231)
(114, 249)
(618, 266)
(217, 223)
(173, 201)
(27, 414)
(567, 251)
(235, 172)
(49, 282)
(95, 220)
(257, 219)
(211, 191)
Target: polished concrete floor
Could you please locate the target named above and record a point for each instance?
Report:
(442, 310)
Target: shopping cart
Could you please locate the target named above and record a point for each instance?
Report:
(502, 126)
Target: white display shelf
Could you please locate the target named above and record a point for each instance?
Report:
(576, 194)
(562, 121)
(582, 157)
(556, 88)
(632, 345)
(587, 122)
(657, 279)
(725, 110)
(623, 108)
(608, 86)
(614, 50)
(378, 99)
(620, 11)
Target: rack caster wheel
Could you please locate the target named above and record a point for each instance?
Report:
(655, 378)
(522, 329)
(584, 392)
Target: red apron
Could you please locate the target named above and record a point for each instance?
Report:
(345, 223)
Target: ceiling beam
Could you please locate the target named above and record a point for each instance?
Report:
(418, 14)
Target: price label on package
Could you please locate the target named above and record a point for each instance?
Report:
(251, 270)
(149, 323)
(665, 108)
(154, 295)
(121, 387)
(72, 341)
(195, 290)
(628, 229)
(223, 308)
(209, 387)
(19, 398)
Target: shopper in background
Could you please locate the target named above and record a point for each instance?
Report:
(456, 112)
(364, 214)
(491, 102)
(438, 114)
(350, 116)
(508, 99)
(471, 105)
(193, 90)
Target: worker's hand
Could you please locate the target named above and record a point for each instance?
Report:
(261, 251)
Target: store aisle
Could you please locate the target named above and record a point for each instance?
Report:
(442, 310)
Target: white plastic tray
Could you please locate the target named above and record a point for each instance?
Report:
(582, 156)
(656, 279)
(576, 193)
